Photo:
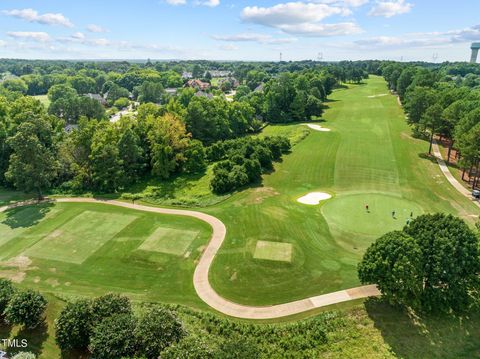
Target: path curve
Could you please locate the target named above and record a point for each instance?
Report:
(200, 276)
(448, 175)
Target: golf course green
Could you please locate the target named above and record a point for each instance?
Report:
(368, 157)
(277, 249)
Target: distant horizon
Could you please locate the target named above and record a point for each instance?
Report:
(256, 31)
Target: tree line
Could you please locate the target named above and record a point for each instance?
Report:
(443, 101)
(166, 135)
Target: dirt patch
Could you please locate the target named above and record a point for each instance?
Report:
(258, 195)
(20, 262)
(55, 234)
(234, 276)
(14, 276)
(53, 282)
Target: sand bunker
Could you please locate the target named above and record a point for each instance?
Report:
(380, 95)
(317, 127)
(314, 198)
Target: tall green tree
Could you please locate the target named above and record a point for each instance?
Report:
(33, 165)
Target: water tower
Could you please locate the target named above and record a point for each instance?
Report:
(475, 47)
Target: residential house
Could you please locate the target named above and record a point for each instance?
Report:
(198, 84)
(98, 97)
(187, 75)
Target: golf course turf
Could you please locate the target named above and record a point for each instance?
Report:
(368, 158)
(87, 249)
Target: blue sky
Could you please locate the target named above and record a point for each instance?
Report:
(239, 30)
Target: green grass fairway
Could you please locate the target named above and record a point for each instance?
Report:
(370, 151)
(169, 240)
(78, 239)
(89, 249)
(273, 251)
(348, 213)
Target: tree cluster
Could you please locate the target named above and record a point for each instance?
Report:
(433, 264)
(21, 307)
(107, 327)
(242, 161)
(442, 101)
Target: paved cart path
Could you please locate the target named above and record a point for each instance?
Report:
(448, 175)
(200, 276)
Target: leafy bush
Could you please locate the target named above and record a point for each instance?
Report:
(26, 308)
(74, 325)
(433, 265)
(241, 161)
(113, 337)
(108, 305)
(157, 329)
(121, 103)
(7, 290)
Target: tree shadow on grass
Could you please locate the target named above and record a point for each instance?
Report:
(5, 329)
(35, 339)
(426, 156)
(26, 216)
(426, 336)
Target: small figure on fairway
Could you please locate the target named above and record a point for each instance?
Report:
(393, 214)
(366, 207)
(411, 214)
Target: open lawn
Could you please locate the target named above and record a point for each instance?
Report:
(276, 250)
(82, 249)
(369, 157)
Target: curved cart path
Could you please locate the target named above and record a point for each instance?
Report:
(200, 277)
(448, 175)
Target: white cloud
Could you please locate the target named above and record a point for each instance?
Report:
(209, 3)
(390, 8)
(289, 13)
(226, 47)
(78, 36)
(96, 28)
(30, 35)
(348, 3)
(176, 2)
(31, 15)
(254, 37)
(3, 43)
(304, 19)
(424, 39)
(321, 30)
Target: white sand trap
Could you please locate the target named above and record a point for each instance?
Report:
(314, 198)
(380, 95)
(317, 127)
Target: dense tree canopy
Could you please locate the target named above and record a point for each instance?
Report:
(433, 264)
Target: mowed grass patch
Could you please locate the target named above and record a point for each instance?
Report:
(16, 221)
(76, 240)
(369, 150)
(348, 213)
(273, 251)
(169, 241)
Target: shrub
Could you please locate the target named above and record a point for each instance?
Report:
(7, 290)
(73, 326)
(157, 329)
(121, 103)
(26, 308)
(108, 305)
(113, 337)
